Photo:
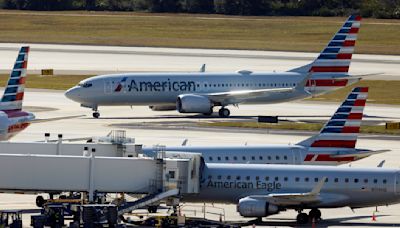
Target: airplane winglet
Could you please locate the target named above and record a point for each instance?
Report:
(380, 165)
(317, 188)
(203, 68)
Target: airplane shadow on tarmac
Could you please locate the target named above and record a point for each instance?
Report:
(324, 222)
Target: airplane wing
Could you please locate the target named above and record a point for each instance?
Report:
(360, 153)
(233, 97)
(292, 199)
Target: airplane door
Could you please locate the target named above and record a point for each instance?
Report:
(296, 155)
(397, 186)
(107, 86)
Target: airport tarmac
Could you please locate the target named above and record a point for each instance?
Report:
(79, 123)
(93, 60)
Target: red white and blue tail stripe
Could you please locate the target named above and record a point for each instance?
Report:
(14, 91)
(336, 56)
(342, 130)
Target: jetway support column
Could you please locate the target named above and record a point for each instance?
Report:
(91, 175)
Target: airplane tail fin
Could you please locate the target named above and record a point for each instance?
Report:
(342, 130)
(14, 91)
(336, 56)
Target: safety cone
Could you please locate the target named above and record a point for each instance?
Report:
(254, 225)
(220, 218)
(313, 223)
(373, 216)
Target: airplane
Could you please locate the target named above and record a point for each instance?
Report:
(12, 118)
(334, 145)
(262, 190)
(202, 91)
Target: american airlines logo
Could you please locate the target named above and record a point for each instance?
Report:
(158, 86)
(269, 186)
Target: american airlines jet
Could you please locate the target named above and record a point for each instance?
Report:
(12, 118)
(201, 92)
(263, 190)
(334, 145)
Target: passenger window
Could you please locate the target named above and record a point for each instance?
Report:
(276, 178)
(297, 179)
(285, 179)
(257, 178)
(365, 180)
(248, 178)
(346, 180)
(228, 177)
(384, 181)
(219, 177)
(336, 180)
(244, 158)
(375, 181)
(237, 177)
(219, 158)
(326, 180)
(306, 179)
(235, 158)
(261, 157)
(285, 157)
(253, 158)
(267, 178)
(269, 157)
(356, 180)
(277, 158)
(316, 179)
(227, 158)
(210, 158)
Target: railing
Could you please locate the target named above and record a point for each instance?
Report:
(202, 210)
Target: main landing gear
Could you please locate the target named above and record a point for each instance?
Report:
(224, 112)
(314, 215)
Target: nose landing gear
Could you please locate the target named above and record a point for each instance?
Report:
(96, 115)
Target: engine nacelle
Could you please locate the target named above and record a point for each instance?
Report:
(3, 123)
(191, 103)
(162, 107)
(250, 207)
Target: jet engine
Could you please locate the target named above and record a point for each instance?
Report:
(3, 123)
(191, 103)
(162, 107)
(250, 207)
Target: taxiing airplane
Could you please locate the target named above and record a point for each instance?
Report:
(334, 145)
(201, 92)
(263, 190)
(12, 118)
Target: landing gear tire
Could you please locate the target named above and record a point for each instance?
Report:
(224, 112)
(152, 209)
(96, 115)
(302, 218)
(315, 214)
(40, 201)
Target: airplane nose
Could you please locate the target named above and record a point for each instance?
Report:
(73, 94)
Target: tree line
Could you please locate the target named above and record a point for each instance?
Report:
(367, 8)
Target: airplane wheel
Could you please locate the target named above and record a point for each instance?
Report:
(96, 115)
(152, 209)
(224, 112)
(302, 218)
(315, 214)
(40, 201)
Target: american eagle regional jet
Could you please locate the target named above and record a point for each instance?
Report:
(12, 118)
(334, 145)
(201, 92)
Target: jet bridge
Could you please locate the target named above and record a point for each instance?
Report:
(96, 174)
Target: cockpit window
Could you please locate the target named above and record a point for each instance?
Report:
(85, 85)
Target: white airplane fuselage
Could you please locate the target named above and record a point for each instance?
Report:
(267, 154)
(345, 186)
(161, 89)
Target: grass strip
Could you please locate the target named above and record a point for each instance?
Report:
(309, 34)
(297, 126)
